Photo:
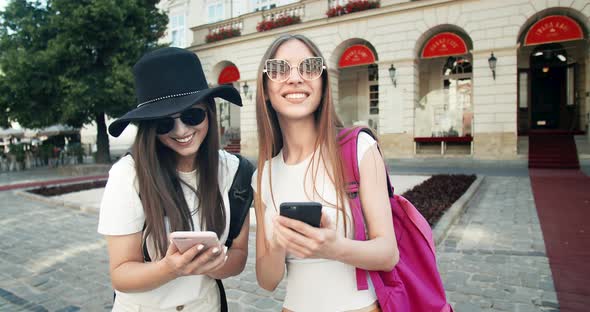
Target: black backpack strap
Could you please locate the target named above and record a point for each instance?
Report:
(240, 198)
(146, 255)
(222, 297)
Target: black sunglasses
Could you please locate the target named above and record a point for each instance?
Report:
(190, 117)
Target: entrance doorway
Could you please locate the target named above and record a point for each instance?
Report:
(552, 74)
(548, 87)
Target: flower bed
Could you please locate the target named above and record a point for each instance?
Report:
(432, 197)
(351, 7)
(221, 34)
(437, 194)
(278, 22)
(68, 188)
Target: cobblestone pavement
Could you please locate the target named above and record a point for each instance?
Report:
(494, 258)
(52, 259)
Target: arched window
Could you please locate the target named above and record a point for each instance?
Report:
(456, 66)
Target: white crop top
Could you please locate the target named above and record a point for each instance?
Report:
(314, 284)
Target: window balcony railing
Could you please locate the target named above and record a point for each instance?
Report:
(224, 30)
(302, 11)
(281, 16)
(298, 12)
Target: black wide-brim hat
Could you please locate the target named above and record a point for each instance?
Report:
(168, 81)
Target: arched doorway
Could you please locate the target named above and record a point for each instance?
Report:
(551, 64)
(358, 83)
(458, 84)
(444, 113)
(228, 114)
(548, 70)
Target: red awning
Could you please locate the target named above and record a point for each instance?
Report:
(444, 44)
(554, 28)
(356, 55)
(228, 75)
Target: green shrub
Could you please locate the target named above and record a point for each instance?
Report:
(18, 150)
(46, 152)
(76, 150)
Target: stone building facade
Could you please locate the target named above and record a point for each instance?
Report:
(462, 78)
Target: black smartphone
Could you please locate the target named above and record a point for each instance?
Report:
(308, 212)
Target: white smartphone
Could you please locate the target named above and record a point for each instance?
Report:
(184, 240)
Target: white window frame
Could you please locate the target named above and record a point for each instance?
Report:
(219, 13)
(177, 30)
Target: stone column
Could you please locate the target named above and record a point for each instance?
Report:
(248, 134)
(495, 105)
(396, 107)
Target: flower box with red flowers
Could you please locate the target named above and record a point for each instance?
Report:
(281, 21)
(223, 33)
(351, 7)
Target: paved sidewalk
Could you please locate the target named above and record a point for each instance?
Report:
(42, 175)
(29, 175)
(52, 259)
(494, 257)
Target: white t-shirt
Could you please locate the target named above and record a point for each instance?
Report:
(314, 284)
(121, 213)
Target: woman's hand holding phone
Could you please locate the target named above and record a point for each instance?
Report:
(197, 260)
(305, 241)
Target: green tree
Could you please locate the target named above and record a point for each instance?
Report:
(69, 61)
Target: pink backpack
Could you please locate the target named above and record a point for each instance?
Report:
(414, 284)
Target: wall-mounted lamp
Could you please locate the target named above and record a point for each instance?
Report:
(246, 88)
(392, 75)
(492, 61)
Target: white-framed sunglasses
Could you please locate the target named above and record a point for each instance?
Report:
(279, 70)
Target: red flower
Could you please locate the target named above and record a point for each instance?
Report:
(352, 6)
(280, 21)
(222, 33)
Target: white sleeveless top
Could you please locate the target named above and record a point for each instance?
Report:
(314, 284)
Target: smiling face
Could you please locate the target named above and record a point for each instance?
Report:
(294, 98)
(184, 139)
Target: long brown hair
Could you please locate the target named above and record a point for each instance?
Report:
(270, 137)
(160, 187)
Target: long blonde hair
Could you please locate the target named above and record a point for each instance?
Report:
(270, 137)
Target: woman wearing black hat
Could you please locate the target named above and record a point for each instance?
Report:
(175, 179)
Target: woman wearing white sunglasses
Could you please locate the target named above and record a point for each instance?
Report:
(299, 161)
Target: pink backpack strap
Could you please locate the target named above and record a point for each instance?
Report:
(348, 145)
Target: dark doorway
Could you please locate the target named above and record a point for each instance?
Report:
(548, 86)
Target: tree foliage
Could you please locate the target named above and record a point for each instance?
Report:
(66, 61)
